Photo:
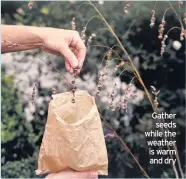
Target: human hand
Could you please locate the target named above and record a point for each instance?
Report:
(73, 174)
(67, 43)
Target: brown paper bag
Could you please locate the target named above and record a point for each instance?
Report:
(73, 137)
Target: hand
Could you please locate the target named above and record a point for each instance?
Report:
(67, 43)
(73, 174)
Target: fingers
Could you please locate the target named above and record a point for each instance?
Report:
(79, 45)
(69, 56)
(81, 53)
(74, 174)
(68, 67)
(88, 174)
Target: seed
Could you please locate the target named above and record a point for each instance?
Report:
(73, 100)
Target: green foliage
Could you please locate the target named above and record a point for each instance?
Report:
(21, 139)
(17, 140)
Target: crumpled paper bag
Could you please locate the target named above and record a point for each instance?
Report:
(73, 137)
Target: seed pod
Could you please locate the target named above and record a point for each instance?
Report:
(53, 91)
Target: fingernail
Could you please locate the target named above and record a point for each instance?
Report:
(75, 63)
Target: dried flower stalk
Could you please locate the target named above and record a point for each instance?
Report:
(163, 44)
(31, 4)
(73, 23)
(83, 33)
(89, 42)
(152, 22)
(74, 86)
(34, 92)
(103, 72)
(111, 96)
(155, 93)
(126, 7)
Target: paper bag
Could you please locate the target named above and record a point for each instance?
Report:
(73, 137)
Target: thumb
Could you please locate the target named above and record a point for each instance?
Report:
(87, 174)
(69, 56)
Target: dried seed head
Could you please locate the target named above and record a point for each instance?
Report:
(74, 85)
(83, 35)
(127, 95)
(53, 90)
(34, 92)
(90, 39)
(73, 23)
(31, 4)
(182, 35)
(101, 73)
(73, 100)
(126, 7)
(111, 96)
(118, 66)
(155, 93)
(152, 22)
(109, 54)
(163, 44)
(97, 93)
(180, 3)
(161, 29)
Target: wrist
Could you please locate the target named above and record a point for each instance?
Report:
(37, 36)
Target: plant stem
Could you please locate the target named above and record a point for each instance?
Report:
(155, 109)
(125, 146)
(176, 15)
(124, 50)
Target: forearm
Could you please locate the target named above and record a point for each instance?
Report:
(18, 38)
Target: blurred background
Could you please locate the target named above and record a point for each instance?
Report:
(22, 124)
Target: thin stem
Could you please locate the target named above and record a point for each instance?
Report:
(155, 4)
(104, 46)
(85, 3)
(106, 53)
(179, 6)
(131, 62)
(136, 71)
(133, 79)
(57, 71)
(103, 29)
(173, 29)
(125, 146)
(179, 164)
(122, 72)
(175, 171)
(122, 47)
(176, 15)
(91, 19)
(163, 18)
